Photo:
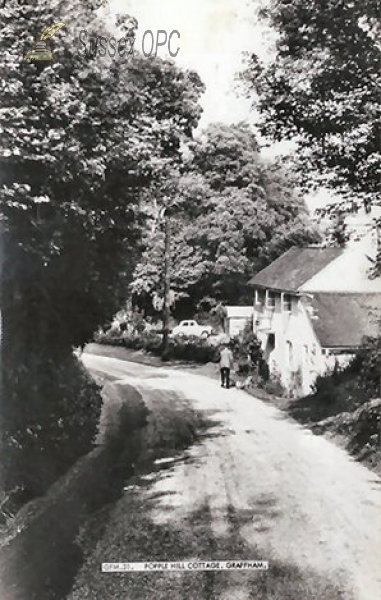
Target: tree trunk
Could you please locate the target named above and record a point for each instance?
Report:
(379, 415)
(167, 283)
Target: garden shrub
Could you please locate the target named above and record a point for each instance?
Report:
(247, 350)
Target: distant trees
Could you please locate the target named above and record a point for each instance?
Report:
(80, 140)
(235, 213)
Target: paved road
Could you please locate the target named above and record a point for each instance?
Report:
(264, 485)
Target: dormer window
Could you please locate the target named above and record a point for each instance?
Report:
(286, 303)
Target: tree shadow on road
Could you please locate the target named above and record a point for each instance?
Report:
(136, 534)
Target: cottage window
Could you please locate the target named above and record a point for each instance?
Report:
(270, 299)
(287, 303)
(258, 297)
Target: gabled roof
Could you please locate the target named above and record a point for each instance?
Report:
(342, 320)
(294, 268)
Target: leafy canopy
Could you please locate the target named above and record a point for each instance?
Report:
(80, 139)
(322, 90)
(235, 214)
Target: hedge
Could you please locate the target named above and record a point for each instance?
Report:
(49, 419)
(191, 349)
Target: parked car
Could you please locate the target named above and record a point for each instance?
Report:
(186, 328)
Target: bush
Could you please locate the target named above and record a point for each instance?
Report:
(247, 350)
(325, 388)
(263, 370)
(366, 428)
(368, 366)
(333, 394)
(109, 337)
(244, 366)
(134, 342)
(273, 385)
(50, 419)
(191, 349)
(152, 342)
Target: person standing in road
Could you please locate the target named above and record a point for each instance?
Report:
(226, 363)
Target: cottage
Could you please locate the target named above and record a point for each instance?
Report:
(312, 307)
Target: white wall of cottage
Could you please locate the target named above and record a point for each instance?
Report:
(297, 355)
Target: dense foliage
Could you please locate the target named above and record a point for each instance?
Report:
(233, 213)
(80, 139)
(49, 420)
(322, 90)
(248, 351)
(368, 366)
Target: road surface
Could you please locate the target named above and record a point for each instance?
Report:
(256, 486)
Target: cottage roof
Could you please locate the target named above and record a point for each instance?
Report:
(294, 268)
(342, 320)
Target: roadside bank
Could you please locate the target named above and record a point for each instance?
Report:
(40, 554)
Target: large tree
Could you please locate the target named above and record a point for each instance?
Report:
(321, 88)
(80, 139)
(233, 213)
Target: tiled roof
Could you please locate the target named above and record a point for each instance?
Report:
(294, 268)
(342, 320)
